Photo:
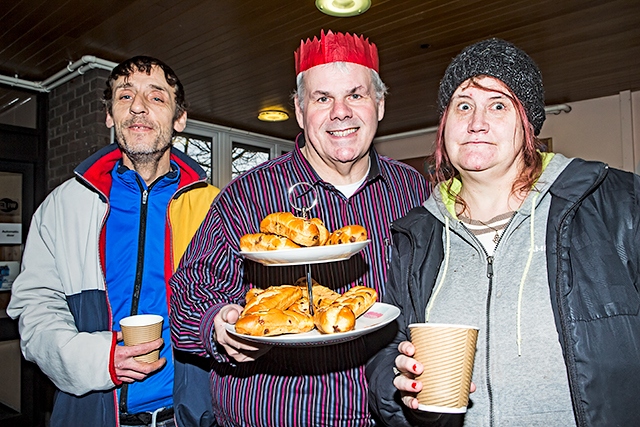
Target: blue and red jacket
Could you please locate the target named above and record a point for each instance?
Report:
(62, 299)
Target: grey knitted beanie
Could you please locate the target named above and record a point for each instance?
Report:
(502, 60)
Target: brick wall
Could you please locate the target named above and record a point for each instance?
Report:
(76, 124)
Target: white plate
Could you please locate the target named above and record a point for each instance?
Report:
(310, 255)
(375, 318)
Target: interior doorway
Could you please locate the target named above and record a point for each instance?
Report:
(25, 392)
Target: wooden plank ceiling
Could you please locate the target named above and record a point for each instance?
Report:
(236, 57)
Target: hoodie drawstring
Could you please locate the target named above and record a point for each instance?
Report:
(524, 274)
(446, 268)
(522, 280)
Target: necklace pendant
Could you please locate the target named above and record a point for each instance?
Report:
(496, 238)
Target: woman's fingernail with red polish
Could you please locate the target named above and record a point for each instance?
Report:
(414, 385)
(414, 367)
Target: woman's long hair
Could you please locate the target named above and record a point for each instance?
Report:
(530, 169)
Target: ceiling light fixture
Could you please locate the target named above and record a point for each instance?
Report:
(343, 8)
(273, 116)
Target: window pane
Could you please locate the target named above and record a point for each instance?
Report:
(196, 147)
(245, 156)
(17, 108)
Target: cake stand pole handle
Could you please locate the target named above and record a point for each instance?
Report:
(310, 289)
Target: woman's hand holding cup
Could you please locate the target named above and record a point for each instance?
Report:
(408, 369)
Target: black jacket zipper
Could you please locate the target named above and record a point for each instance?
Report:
(142, 234)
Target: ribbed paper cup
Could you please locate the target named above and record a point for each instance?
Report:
(447, 353)
(140, 329)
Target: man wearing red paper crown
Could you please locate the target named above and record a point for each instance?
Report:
(339, 101)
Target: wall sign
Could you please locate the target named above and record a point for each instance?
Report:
(10, 233)
(7, 205)
(8, 272)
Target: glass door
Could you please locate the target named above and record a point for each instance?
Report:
(25, 392)
(10, 227)
(16, 376)
(16, 208)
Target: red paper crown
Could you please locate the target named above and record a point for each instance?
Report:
(336, 47)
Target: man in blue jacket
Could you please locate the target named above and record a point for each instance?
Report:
(102, 246)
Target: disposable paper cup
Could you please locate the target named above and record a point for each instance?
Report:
(447, 353)
(140, 329)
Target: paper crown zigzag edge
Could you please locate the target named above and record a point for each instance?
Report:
(336, 47)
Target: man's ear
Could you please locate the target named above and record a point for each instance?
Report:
(109, 121)
(381, 109)
(299, 115)
(181, 122)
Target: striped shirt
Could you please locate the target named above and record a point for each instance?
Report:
(288, 386)
(490, 232)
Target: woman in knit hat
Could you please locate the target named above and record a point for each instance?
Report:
(540, 251)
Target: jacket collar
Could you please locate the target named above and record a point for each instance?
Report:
(578, 178)
(96, 169)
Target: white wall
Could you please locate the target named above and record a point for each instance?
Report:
(406, 148)
(592, 130)
(605, 129)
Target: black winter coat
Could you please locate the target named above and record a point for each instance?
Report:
(593, 260)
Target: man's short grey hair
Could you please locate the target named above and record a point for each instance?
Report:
(379, 87)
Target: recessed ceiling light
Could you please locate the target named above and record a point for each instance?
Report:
(343, 8)
(273, 116)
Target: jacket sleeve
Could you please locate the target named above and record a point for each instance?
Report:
(186, 214)
(209, 277)
(384, 399)
(76, 362)
(191, 391)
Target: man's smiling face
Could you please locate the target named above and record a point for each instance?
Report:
(143, 113)
(340, 113)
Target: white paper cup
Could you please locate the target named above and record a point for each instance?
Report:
(140, 329)
(447, 353)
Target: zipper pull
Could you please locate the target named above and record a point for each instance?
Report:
(145, 194)
(490, 267)
(387, 250)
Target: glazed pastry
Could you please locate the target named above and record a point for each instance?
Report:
(341, 314)
(265, 242)
(323, 235)
(334, 318)
(285, 309)
(322, 296)
(348, 234)
(359, 299)
(274, 322)
(279, 297)
(304, 232)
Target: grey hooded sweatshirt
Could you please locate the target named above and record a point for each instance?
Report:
(519, 370)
